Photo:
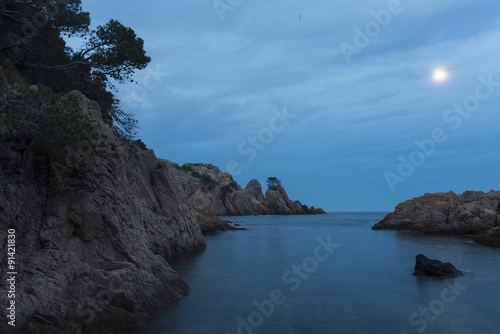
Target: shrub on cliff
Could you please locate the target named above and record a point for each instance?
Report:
(187, 168)
(50, 118)
(139, 143)
(208, 183)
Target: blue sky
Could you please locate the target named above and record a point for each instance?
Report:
(335, 98)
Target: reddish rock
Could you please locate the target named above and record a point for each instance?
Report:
(470, 213)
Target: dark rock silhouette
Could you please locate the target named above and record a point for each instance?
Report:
(434, 268)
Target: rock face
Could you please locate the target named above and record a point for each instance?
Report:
(490, 237)
(207, 188)
(277, 200)
(471, 213)
(434, 268)
(210, 223)
(94, 229)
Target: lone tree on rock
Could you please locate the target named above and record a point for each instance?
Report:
(273, 183)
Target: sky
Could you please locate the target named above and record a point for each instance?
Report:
(337, 99)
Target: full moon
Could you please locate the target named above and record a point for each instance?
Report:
(440, 75)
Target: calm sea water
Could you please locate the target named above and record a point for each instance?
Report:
(331, 274)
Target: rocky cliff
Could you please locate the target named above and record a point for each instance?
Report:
(93, 231)
(207, 188)
(471, 213)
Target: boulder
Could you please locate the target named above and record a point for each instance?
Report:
(434, 268)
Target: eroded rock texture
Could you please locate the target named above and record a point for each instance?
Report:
(207, 188)
(94, 229)
(471, 213)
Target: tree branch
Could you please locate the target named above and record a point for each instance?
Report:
(65, 67)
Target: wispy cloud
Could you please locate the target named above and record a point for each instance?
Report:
(353, 120)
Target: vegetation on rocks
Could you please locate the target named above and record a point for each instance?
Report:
(49, 118)
(33, 49)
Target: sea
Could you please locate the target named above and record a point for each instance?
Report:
(328, 274)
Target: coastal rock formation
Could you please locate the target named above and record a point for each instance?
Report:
(434, 268)
(277, 200)
(94, 229)
(471, 213)
(95, 226)
(490, 237)
(210, 223)
(207, 188)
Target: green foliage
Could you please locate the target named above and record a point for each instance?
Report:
(31, 38)
(187, 168)
(23, 21)
(50, 118)
(273, 183)
(139, 143)
(115, 51)
(208, 183)
(206, 180)
(195, 174)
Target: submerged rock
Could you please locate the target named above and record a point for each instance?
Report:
(434, 268)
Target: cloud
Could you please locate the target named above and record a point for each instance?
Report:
(226, 78)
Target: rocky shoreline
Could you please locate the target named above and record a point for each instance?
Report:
(473, 213)
(207, 188)
(95, 229)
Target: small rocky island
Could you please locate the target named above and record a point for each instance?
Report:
(434, 268)
(473, 213)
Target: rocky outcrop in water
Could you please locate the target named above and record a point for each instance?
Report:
(471, 213)
(95, 226)
(434, 268)
(207, 188)
(94, 229)
(277, 200)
